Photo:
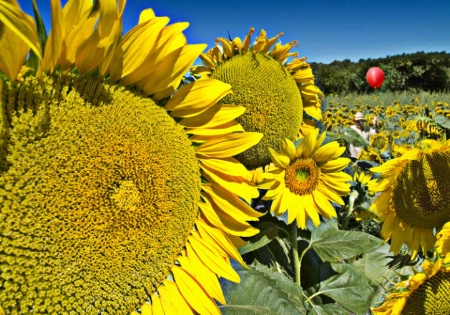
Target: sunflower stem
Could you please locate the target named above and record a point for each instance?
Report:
(294, 236)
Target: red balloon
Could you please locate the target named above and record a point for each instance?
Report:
(375, 77)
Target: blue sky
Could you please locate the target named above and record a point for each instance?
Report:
(327, 30)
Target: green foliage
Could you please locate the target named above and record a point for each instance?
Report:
(350, 135)
(335, 275)
(334, 245)
(262, 291)
(442, 121)
(419, 71)
(349, 288)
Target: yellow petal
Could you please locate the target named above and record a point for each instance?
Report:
(307, 144)
(227, 224)
(236, 185)
(287, 148)
(310, 207)
(335, 165)
(279, 159)
(237, 44)
(169, 291)
(330, 194)
(226, 46)
(327, 152)
(196, 97)
(216, 115)
(230, 203)
(229, 166)
(229, 145)
(146, 15)
(146, 309)
(208, 61)
(157, 308)
(214, 262)
(215, 237)
(221, 130)
(55, 39)
(138, 44)
(233, 226)
(17, 35)
(323, 204)
(197, 298)
(207, 278)
(177, 64)
(247, 39)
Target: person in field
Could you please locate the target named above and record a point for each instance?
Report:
(365, 132)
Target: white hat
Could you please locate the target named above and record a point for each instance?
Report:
(359, 116)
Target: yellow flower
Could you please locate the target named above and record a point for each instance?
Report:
(414, 195)
(271, 89)
(17, 36)
(443, 240)
(110, 201)
(305, 180)
(424, 293)
(380, 141)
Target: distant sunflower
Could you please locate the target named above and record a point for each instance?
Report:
(305, 180)
(414, 195)
(425, 293)
(380, 141)
(273, 90)
(108, 205)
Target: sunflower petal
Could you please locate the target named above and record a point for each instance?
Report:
(196, 97)
(234, 184)
(335, 165)
(216, 115)
(18, 34)
(229, 145)
(146, 308)
(230, 203)
(192, 291)
(215, 237)
(170, 291)
(229, 166)
(203, 273)
(280, 160)
(55, 39)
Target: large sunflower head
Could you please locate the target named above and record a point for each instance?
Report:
(414, 195)
(274, 92)
(425, 293)
(109, 202)
(306, 179)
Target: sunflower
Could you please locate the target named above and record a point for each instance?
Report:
(443, 242)
(370, 154)
(272, 90)
(424, 293)
(380, 141)
(305, 180)
(414, 195)
(111, 202)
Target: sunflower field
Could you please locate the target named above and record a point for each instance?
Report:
(133, 181)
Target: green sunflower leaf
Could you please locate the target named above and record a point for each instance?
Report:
(267, 232)
(328, 309)
(334, 245)
(351, 136)
(349, 288)
(375, 264)
(262, 291)
(442, 121)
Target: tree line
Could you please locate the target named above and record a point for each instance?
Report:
(419, 71)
